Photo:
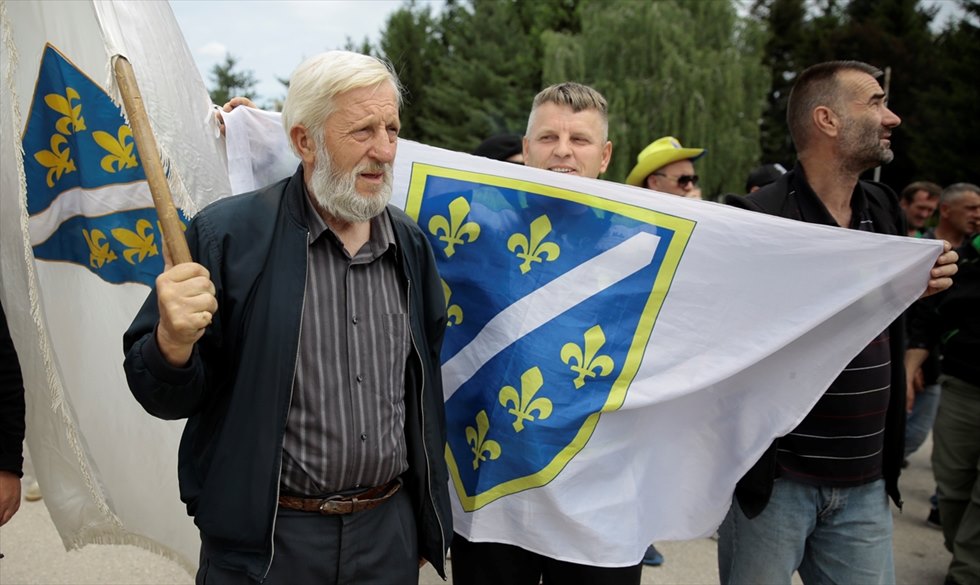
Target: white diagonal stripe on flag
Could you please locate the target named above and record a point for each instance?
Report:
(546, 303)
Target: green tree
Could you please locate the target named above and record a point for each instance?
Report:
(784, 60)
(411, 41)
(692, 70)
(944, 143)
(892, 34)
(228, 83)
(473, 70)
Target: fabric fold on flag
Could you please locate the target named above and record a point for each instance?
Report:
(81, 247)
(593, 409)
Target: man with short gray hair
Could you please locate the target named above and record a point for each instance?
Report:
(567, 132)
(302, 345)
(959, 213)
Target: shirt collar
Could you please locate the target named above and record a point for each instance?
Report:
(813, 210)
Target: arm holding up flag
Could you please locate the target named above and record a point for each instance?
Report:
(308, 296)
(185, 299)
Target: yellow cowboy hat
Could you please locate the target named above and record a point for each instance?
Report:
(659, 153)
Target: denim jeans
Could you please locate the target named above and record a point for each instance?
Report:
(919, 422)
(831, 535)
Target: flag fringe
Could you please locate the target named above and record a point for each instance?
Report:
(100, 534)
(52, 376)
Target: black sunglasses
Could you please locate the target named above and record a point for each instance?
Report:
(683, 179)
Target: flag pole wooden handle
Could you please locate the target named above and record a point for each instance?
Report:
(139, 122)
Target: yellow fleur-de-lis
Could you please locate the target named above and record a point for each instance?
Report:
(456, 230)
(452, 311)
(120, 153)
(535, 249)
(525, 404)
(72, 113)
(138, 242)
(481, 446)
(587, 362)
(57, 160)
(98, 246)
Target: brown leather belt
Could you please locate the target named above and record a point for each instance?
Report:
(366, 500)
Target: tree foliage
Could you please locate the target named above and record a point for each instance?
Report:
(471, 71)
(699, 70)
(228, 83)
(702, 82)
(894, 35)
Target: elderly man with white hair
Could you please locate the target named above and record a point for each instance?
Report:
(302, 345)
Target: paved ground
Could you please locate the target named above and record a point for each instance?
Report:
(34, 553)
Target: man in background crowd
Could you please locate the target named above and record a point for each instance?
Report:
(950, 321)
(762, 175)
(666, 166)
(919, 201)
(502, 147)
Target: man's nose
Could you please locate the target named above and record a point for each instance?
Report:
(383, 148)
(890, 119)
(564, 147)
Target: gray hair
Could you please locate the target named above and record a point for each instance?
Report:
(576, 96)
(957, 190)
(321, 78)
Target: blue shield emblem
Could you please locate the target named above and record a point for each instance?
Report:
(551, 296)
(87, 195)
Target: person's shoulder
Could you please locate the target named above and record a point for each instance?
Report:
(768, 199)
(234, 207)
(880, 192)
(401, 220)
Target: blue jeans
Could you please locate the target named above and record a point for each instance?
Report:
(919, 422)
(831, 535)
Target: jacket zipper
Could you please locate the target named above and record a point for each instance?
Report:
(425, 451)
(289, 403)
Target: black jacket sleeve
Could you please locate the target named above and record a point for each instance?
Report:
(11, 404)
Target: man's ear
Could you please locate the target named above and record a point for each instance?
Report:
(303, 143)
(606, 156)
(826, 121)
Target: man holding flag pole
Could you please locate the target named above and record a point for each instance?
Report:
(309, 455)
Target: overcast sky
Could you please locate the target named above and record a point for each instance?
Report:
(272, 38)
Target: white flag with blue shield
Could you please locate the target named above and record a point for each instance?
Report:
(616, 359)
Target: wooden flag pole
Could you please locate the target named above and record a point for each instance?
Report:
(139, 122)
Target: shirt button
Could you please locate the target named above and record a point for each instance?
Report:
(360, 378)
(364, 436)
(354, 320)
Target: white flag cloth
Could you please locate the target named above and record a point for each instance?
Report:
(617, 358)
(80, 249)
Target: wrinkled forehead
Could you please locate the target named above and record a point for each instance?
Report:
(859, 85)
(558, 117)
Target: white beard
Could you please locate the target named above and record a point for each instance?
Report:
(337, 194)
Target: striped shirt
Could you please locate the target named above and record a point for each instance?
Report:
(839, 443)
(346, 422)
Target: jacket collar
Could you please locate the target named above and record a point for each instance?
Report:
(812, 209)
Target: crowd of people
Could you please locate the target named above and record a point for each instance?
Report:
(309, 456)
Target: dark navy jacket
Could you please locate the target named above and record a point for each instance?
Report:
(235, 391)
